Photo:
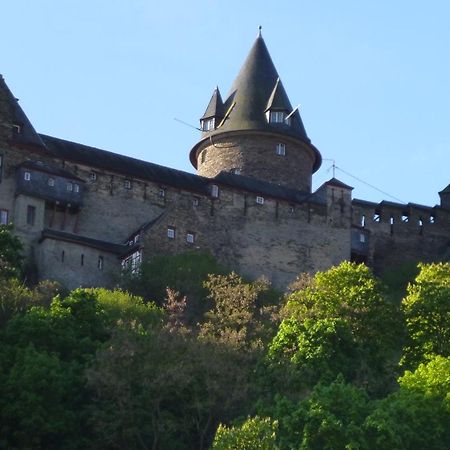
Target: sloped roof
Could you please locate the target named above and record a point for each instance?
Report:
(215, 106)
(132, 167)
(338, 183)
(278, 99)
(51, 169)
(110, 247)
(27, 135)
(255, 88)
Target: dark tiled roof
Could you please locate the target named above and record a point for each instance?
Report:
(44, 167)
(242, 182)
(27, 134)
(131, 167)
(109, 247)
(215, 106)
(253, 89)
(337, 183)
(278, 99)
(104, 160)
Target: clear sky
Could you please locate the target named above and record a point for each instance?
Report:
(372, 78)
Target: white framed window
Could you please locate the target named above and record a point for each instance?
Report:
(100, 263)
(208, 124)
(51, 182)
(127, 184)
(280, 149)
(69, 187)
(362, 238)
(76, 188)
(260, 200)
(214, 190)
(27, 176)
(3, 217)
(93, 176)
(133, 262)
(171, 232)
(190, 238)
(162, 192)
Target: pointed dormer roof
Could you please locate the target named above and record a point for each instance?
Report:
(278, 98)
(17, 119)
(215, 106)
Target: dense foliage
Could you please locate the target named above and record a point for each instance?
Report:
(316, 369)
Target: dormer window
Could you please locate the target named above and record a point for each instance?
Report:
(208, 124)
(278, 117)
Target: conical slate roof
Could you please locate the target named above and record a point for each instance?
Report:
(254, 89)
(215, 107)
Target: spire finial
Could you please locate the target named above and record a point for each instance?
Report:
(259, 31)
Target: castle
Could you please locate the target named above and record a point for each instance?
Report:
(85, 213)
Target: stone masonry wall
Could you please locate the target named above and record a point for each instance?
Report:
(255, 156)
(399, 235)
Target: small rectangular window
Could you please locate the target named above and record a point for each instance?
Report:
(69, 187)
(63, 254)
(31, 214)
(171, 232)
(100, 263)
(76, 188)
(27, 176)
(208, 124)
(17, 129)
(260, 200)
(82, 260)
(276, 116)
(195, 201)
(190, 238)
(51, 182)
(236, 171)
(3, 217)
(127, 184)
(93, 176)
(162, 192)
(280, 149)
(214, 190)
(362, 238)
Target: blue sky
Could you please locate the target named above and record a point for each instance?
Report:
(372, 78)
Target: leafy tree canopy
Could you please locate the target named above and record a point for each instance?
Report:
(427, 313)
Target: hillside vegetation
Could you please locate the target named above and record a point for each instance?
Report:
(186, 355)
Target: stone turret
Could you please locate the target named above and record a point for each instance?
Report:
(255, 131)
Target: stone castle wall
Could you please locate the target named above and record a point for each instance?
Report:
(254, 155)
(398, 234)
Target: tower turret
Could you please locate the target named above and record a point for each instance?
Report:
(255, 131)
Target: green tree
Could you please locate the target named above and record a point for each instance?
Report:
(427, 313)
(339, 322)
(184, 273)
(254, 433)
(11, 260)
(239, 316)
(417, 415)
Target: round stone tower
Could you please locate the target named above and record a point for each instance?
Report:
(255, 132)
